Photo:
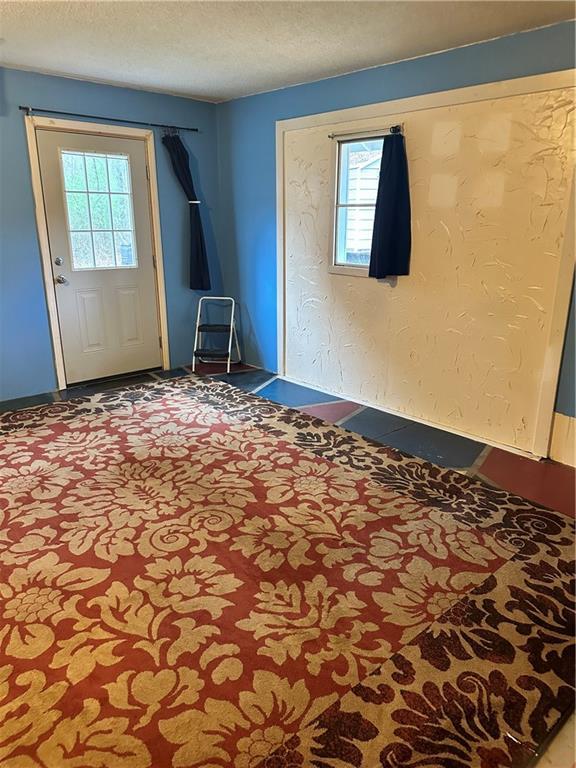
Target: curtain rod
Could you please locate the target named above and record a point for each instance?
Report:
(374, 134)
(30, 110)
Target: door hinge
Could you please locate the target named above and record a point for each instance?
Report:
(154, 261)
(147, 172)
(160, 341)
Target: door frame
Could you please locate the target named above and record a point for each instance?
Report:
(32, 125)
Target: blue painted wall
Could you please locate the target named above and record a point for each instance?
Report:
(248, 174)
(26, 363)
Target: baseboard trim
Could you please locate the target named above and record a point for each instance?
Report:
(563, 439)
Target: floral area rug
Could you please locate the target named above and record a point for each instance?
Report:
(193, 576)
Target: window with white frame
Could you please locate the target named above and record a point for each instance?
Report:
(357, 187)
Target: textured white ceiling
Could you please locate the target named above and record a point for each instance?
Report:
(221, 50)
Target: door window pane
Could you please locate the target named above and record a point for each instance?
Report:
(121, 214)
(78, 216)
(96, 173)
(82, 255)
(74, 174)
(103, 249)
(119, 173)
(100, 211)
(125, 253)
(99, 207)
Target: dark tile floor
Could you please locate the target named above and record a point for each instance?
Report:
(246, 380)
(435, 445)
(375, 424)
(25, 402)
(294, 395)
(545, 482)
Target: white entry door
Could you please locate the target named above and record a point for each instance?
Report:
(97, 203)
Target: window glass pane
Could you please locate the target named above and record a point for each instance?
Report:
(340, 236)
(104, 249)
(358, 176)
(96, 173)
(121, 211)
(354, 236)
(100, 211)
(77, 205)
(125, 252)
(73, 169)
(82, 256)
(359, 171)
(119, 173)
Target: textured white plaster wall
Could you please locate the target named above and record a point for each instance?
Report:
(462, 341)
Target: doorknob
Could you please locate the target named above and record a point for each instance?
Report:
(61, 280)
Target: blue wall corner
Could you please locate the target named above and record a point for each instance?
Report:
(247, 161)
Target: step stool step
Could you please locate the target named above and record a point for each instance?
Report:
(212, 354)
(214, 328)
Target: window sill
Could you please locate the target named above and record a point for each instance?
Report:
(337, 269)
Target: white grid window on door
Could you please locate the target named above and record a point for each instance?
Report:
(99, 208)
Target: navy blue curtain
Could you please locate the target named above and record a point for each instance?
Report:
(199, 273)
(391, 238)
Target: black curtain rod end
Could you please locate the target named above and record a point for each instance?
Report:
(396, 129)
